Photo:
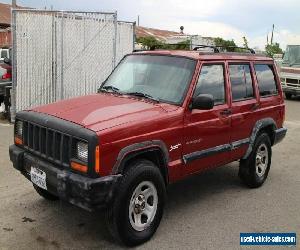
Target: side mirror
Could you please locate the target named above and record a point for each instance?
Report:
(7, 61)
(203, 101)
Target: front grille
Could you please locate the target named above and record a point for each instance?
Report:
(47, 143)
(292, 82)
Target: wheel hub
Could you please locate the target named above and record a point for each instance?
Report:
(139, 204)
(261, 160)
(143, 206)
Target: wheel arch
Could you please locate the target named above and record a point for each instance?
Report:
(267, 125)
(155, 151)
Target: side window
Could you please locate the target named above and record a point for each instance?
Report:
(266, 79)
(211, 81)
(241, 82)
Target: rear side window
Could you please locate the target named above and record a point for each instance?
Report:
(266, 79)
(211, 81)
(241, 82)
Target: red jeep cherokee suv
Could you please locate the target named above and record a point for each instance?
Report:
(159, 117)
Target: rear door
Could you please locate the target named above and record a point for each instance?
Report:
(207, 132)
(244, 106)
(271, 100)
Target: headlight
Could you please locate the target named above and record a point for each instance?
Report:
(82, 151)
(19, 132)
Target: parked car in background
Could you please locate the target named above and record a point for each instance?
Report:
(290, 71)
(5, 84)
(160, 116)
(5, 53)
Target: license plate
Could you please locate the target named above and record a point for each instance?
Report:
(38, 177)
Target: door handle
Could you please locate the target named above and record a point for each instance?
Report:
(226, 112)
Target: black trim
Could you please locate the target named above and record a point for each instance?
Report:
(239, 143)
(205, 153)
(215, 150)
(82, 191)
(279, 135)
(134, 150)
(257, 127)
(75, 131)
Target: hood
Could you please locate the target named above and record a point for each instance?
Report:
(102, 111)
(290, 70)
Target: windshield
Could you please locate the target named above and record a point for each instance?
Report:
(292, 55)
(163, 78)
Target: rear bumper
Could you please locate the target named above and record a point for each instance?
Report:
(279, 135)
(85, 192)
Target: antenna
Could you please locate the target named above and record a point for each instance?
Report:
(272, 34)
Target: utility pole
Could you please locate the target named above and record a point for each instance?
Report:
(14, 4)
(138, 21)
(272, 34)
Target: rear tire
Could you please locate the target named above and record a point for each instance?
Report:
(45, 194)
(254, 170)
(288, 96)
(137, 208)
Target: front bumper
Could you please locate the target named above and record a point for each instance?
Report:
(85, 192)
(279, 135)
(291, 90)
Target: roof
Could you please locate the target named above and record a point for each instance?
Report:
(5, 14)
(157, 33)
(208, 55)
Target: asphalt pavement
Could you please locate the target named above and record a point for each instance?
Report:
(207, 211)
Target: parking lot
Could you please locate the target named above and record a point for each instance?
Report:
(207, 211)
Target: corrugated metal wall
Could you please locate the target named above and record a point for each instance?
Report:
(125, 39)
(60, 55)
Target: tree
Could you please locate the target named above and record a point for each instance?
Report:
(150, 42)
(272, 49)
(229, 44)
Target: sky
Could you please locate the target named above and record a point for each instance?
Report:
(230, 19)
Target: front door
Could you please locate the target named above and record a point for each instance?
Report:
(207, 132)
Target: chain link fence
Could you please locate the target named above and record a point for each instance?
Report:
(63, 54)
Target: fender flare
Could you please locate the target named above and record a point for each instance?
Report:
(259, 125)
(135, 149)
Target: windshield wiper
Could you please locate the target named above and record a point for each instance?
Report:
(140, 94)
(109, 88)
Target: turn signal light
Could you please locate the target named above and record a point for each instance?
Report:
(97, 159)
(18, 141)
(78, 167)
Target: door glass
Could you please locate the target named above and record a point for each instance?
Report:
(241, 82)
(211, 81)
(266, 80)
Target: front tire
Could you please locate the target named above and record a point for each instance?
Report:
(137, 209)
(288, 96)
(254, 170)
